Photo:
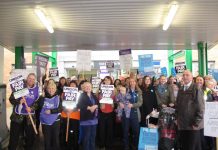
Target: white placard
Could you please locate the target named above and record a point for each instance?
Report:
(23, 72)
(125, 59)
(70, 98)
(83, 60)
(211, 119)
(107, 91)
(18, 86)
(95, 84)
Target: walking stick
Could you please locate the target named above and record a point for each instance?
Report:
(31, 119)
(67, 131)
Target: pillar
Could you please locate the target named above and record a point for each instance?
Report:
(54, 62)
(170, 61)
(188, 59)
(19, 57)
(1, 64)
(202, 59)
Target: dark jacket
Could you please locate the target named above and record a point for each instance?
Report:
(20, 118)
(166, 98)
(83, 103)
(149, 101)
(190, 108)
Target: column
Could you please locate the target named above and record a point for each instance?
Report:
(202, 59)
(19, 57)
(1, 64)
(188, 59)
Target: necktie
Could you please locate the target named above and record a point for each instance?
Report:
(185, 88)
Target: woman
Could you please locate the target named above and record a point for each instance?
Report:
(117, 82)
(88, 105)
(20, 121)
(164, 93)
(106, 117)
(50, 107)
(135, 101)
(73, 132)
(62, 82)
(149, 100)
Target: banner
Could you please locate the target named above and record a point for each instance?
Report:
(211, 119)
(41, 63)
(146, 65)
(215, 74)
(83, 62)
(180, 68)
(173, 72)
(148, 139)
(23, 72)
(95, 84)
(125, 59)
(107, 91)
(70, 98)
(164, 71)
(18, 87)
(54, 74)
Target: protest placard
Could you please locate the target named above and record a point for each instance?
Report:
(95, 83)
(107, 91)
(125, 59)
(54, 74)
(18, 86)
(70, 98)
(211, 119)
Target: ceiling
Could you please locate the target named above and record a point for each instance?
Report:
(107, 24)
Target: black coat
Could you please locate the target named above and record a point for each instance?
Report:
(149, 101)
(83, 103)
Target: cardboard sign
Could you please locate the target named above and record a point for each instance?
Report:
(146, 65)
(41, 63)
(54, 74)
(70, 98)
(173, 72)
(211, 119)
(83, 62)
(18, 87)
(95, 83)
(148, 139)
(180, 68)
(110, 66)
(107, 91)
(125, 59)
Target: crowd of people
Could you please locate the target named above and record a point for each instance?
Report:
(93, 124)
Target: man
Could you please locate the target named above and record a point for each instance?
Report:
(190, 110)
(20, 121)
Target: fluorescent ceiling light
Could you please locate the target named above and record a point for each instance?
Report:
(44, 19)
(170, 16)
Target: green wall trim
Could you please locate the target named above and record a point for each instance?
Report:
(19, 57)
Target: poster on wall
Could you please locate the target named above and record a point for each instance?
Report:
(125, 57)
(110, 66)
(83, 62)
(211, 119)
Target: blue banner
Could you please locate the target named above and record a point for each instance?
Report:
(146, 66)
(164, 71)
(173, 72)
(148, 139)
(215, 74)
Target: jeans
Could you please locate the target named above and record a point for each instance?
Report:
(89, 134)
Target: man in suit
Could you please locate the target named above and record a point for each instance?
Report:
(189, 110)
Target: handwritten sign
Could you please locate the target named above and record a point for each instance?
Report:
(18, 86)
(70, 98)
(211, 119)
(107, 91)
